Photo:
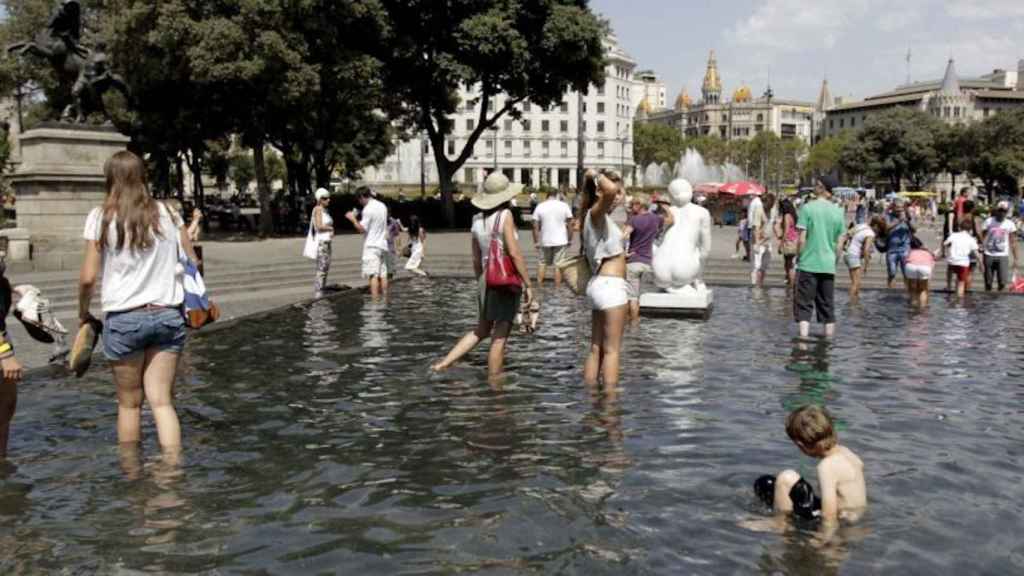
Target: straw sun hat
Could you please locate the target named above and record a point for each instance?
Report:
(497, 191)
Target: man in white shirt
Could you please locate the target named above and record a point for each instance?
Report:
(760, 241)
(552, 222)
(999, 239)
(374, 225)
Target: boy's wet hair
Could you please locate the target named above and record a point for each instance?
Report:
(811, 427)
(966, 225)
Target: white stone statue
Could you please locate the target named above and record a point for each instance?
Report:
(679, 259)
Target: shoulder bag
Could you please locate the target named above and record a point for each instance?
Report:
(576, 270)
(501, 273)
(310, 249)
(197, 308)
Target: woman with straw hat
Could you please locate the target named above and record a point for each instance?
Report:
(498, 307)
(323, 234)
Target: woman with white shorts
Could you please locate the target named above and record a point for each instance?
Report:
(608, 291)
(920, 262)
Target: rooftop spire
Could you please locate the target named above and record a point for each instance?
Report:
(950, 82)
(825, 97)
(712, 87)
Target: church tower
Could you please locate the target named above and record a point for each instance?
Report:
(712, 88)
(950, 102)
(825, 101)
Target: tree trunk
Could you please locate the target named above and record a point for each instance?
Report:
(263, 188)
(196, 166)
(180, 179)
(321, 170)
(952, 185)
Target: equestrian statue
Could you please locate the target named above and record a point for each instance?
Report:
(83, 74)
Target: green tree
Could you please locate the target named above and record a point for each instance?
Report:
(995, 151)
(656, 143)
(506, 53)
(951, 151)
(900, 144)
(824, 157)
(241, 170)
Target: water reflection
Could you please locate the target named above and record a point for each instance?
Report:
(810, 361)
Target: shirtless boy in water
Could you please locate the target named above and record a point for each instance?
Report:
(840, 473)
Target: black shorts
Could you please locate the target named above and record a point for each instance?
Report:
(815, 292)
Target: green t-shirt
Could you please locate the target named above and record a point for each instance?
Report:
(824, 224)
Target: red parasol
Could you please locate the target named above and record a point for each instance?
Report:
(706, 189)
(744, 188)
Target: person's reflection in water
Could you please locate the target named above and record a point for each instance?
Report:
(320, 328)
(810, 360)
(799, 553)
(163, 513)
(613, 461)
(373, 331)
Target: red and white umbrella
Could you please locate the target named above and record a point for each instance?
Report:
(743, 188)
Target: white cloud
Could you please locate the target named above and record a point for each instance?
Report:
(976, 10)
(794, 25)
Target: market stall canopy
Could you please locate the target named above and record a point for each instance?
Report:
(742, 188)
(917, 194)
(707, 188)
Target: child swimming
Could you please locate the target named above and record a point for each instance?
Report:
(840, 473)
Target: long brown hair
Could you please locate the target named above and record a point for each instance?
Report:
(128, 204)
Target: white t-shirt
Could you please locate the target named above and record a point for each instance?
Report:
(327, 222)
(861, 234)
(552, 215)
(135, 279)
(960, 247)
(375, 221)
(998, 236)
(756, 216)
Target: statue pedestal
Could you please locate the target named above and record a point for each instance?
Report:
(695, 305)
(60, 179)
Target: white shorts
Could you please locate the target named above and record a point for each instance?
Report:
(607, 292)
(917, 272)
(375, 263)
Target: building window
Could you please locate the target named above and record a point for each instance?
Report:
(986, 112)
(565, 148)
(831, 124)
(470, 124)
(600, 90)
(945, 112)
(842, 123)
(527, 148)
(583, 126)
(564, 107)
(600, 127)
(469, 175)
(508, 125)
(956, 112)
(600, 107)
(451, 147)
(853, 122)
(526, 106)
(545, 148)
(600, 149)
(508, 147)
(760, 117)
(526, 125)
(564, 126)
(490, 145)
(490, 105)
(545, 125)
(725, 117)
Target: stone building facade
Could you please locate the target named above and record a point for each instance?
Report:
(953, 99)
(541, 148)
(741, 117)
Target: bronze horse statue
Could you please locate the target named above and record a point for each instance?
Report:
(83, 74)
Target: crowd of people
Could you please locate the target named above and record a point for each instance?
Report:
(135, 243)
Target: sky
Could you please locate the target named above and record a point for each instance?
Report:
(859, 45)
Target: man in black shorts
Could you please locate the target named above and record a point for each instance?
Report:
(821, 224)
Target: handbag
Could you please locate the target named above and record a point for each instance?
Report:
(501, 273)
(310, 249)
(197, 308)
(576, 271)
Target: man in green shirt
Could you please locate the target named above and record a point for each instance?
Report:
(821, 224)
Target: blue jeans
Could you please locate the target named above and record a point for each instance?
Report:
(896, 259)
(126, 334)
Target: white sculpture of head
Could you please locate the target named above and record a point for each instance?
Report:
(680, 191)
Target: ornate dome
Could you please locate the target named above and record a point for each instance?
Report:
(644, 108)
(683, 101)
(742, 94)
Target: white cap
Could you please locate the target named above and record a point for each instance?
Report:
(322, 193)
(1003, 205)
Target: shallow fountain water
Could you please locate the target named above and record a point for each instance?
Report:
(317, 442)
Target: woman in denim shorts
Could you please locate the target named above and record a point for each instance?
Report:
(135, 240)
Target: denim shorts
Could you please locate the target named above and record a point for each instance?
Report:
(128, 333)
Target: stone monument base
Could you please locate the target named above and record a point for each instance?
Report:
(60, 179)
(690, 305)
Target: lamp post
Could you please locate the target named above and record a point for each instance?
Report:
(768, 95)
(495, 129)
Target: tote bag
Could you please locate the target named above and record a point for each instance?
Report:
(501, 272)
(310, 249)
